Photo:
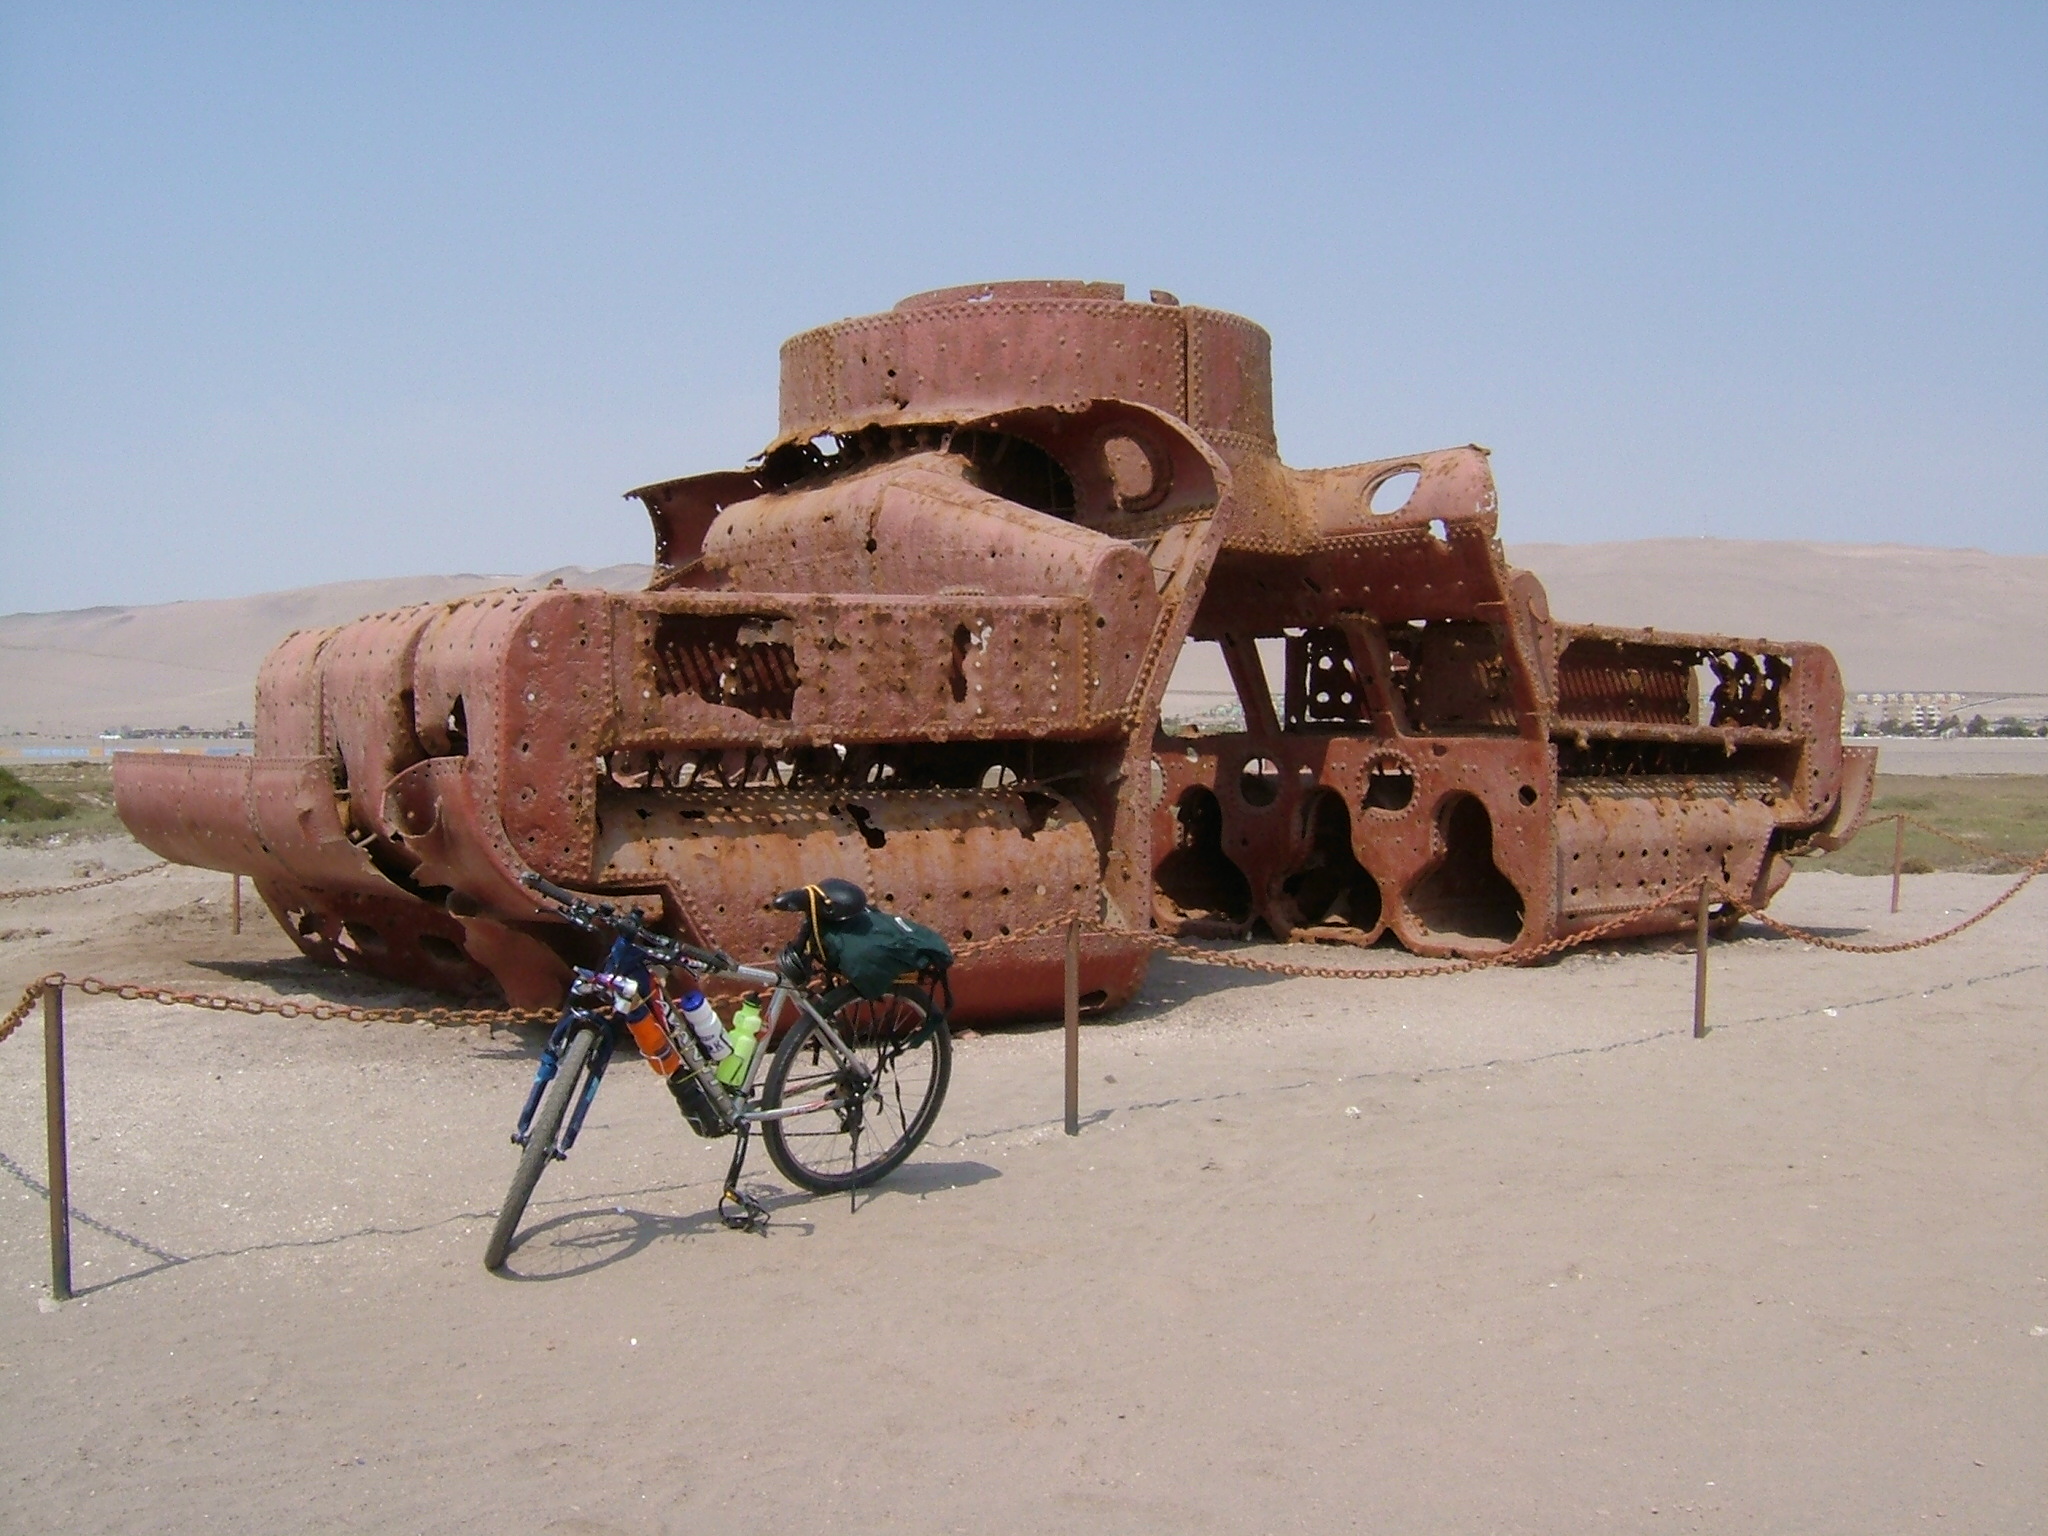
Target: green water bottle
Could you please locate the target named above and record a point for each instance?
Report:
(743, 1037)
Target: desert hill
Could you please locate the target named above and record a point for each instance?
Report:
(1898, 618)
(170, 664)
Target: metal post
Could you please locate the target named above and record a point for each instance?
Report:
(238, 904)
(1898, 856)
(59, 1164)
(1699, 971)
(1074, 1027)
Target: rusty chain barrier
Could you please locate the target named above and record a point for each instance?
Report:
(82, 885)
(29, 999)
(219, 1002)
(1843, 946)
(2015, 860)
(1702, 892)
(1519, 956)
(469, 1017)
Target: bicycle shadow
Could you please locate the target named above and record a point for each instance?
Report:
(922, 1179)
(580, 1242)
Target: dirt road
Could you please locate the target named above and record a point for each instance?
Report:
(1503, 1252)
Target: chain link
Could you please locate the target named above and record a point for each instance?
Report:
(1513, 956)
(220, 1002)
(1200, 956)
(29, 999)
(1843, 946)
(465, 1017)
(82, 885)
(2016, 860)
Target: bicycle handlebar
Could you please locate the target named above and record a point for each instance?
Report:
(593, 915)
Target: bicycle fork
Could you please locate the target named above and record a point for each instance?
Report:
(544, 1073)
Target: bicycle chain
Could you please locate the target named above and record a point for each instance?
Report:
(83, 885)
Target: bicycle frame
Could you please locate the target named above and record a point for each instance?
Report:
(627, 962)
(816, 1066)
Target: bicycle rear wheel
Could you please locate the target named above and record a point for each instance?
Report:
(540, 1142)
(875, 1110)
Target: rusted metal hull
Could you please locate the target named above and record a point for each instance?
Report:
(922, 643)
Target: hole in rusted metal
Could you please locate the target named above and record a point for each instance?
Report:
(444, 951)
(1198, 879)
(1465, 895)
(1389, 786)
(743, 662)
(1330, 887)
(1038, 808)
(1323, 687)
(863, 822)
(1748, 690)
(963, 638)
(363, 939)
(1526, 794)
(457, 727)
(1390, 493)
(1259, 784)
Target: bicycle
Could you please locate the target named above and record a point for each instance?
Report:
(845, 1068)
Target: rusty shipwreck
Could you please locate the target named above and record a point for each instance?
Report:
(922, 642)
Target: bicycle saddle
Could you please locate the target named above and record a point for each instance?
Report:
(833, 901)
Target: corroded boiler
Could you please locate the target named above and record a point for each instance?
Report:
(921, 641)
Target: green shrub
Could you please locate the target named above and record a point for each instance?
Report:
(24, 802)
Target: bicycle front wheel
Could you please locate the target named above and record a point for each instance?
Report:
(540, 1143)
(874, 1109)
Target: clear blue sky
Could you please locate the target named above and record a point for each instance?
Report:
(295, 293)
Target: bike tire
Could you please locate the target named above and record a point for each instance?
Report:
(540, 1141)
(909, 1053)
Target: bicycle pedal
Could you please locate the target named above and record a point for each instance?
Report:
(752, 1215)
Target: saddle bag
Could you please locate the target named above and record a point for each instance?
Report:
(874, 950)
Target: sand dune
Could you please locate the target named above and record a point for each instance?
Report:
(171, 664)
(1898, 618)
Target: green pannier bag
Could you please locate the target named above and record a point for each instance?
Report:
(874, 950)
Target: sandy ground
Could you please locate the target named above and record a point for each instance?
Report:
(1934, 756)
(1503, 1252)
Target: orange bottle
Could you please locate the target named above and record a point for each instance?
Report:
(650, 1033)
